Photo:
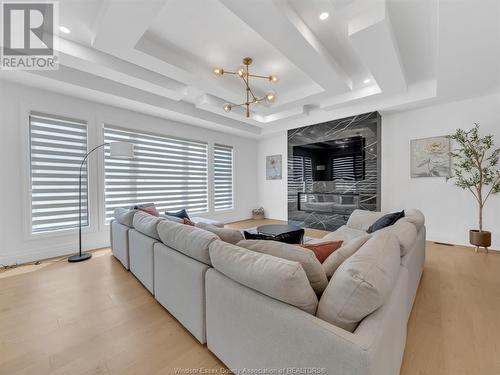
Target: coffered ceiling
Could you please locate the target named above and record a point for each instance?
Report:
(156, 56)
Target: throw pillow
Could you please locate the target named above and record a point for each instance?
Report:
(150, 210)
(385, 221)
(187, 222)
(182, 214)
(324, 249)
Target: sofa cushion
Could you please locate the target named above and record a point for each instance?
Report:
(362, 219)
(228, 235)
(362, 283)
(275, 277)
(338, 257)
(385, 221)
(215, 223)
(312, 267)
(344, 233)
(186, 239)
(414, 216)
(125, 216)
(406, 234)
(175, 219)
(146, 224)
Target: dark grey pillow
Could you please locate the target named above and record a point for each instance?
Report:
(180, 214)
(385, 221)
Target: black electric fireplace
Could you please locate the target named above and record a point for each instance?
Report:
(333, 169)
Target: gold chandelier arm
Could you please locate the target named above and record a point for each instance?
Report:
(259, 76)
(248, 87)
(239, 105)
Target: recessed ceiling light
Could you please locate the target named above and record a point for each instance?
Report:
(323, 16)
(368, 80)
(64, 29)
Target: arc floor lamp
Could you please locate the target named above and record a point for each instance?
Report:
(118, 150)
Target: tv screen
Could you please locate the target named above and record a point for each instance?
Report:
(339, 159)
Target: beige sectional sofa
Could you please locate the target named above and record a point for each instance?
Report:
(262, 304)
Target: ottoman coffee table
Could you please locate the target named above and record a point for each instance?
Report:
(282, 230)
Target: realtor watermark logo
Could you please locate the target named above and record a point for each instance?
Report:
(29, 35)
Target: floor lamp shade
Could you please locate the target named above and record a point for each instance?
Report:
(121, 150)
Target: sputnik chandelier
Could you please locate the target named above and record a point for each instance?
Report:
(245, 75)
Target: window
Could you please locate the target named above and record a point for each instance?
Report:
(57, 147)
(223, 177)
(300, 177)
(348, 167)
(170, 172)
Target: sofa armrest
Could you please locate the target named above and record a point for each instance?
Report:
(362, 219)
(247, 329)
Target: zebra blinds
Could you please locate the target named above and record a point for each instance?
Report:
(170, 172)
(223, 177)
(348, 167)
(300, 177)
(57, 147)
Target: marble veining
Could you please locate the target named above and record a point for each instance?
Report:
(329, 211)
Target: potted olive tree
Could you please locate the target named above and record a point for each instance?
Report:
(475, 168)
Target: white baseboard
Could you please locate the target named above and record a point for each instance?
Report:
(44, 253)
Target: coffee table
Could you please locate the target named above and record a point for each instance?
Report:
(275, 229)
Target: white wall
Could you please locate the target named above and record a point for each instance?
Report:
(450, 212)
(17, 244)
(273, 193)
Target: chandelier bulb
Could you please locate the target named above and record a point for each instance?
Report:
(241, 71)
(270, 97)
(227, 107)
(218, 71)
(273, 78)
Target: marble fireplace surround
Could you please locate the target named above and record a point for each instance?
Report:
(328, 204)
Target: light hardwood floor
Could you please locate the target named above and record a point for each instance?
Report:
(96, 318)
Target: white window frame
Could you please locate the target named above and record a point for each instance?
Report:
(25, 110)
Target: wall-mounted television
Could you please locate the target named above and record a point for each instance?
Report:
(339, 159)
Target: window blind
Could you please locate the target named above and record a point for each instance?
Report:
(300, 177)
(348, 167)
(170, 172)
(57, 147)
(223, 177)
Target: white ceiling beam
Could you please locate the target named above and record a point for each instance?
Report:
(121, 24)
(277, 23)
(372, 36)
(99, 63)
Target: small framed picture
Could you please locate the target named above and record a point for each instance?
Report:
(430, 157)
(273, 167)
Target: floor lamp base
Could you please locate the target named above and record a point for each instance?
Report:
(79, 258)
